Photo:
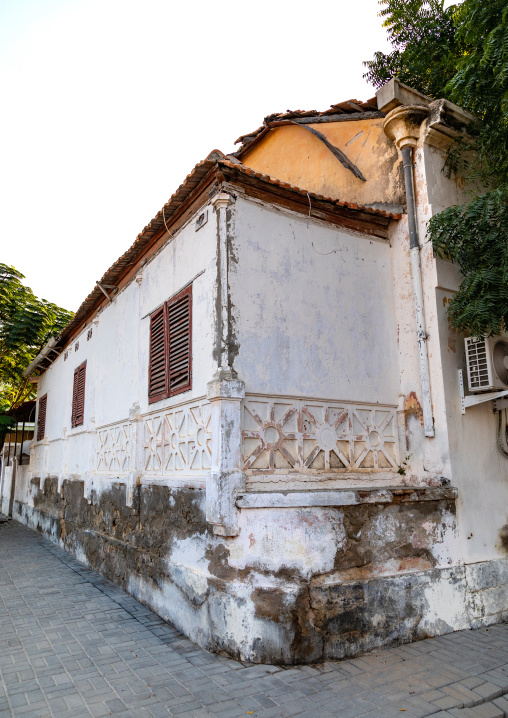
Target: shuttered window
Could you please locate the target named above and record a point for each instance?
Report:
(78, 395)
(170, 368)
(180, 349)
(157, 370)
(41, 419)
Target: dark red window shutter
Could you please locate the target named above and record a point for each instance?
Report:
(157, 369)
(41, 419)
(78, 395)
(180, 341)
(74, 396)
(170, 368)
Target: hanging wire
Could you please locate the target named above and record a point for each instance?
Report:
(164, 218)
(323, 254)
(500, 445)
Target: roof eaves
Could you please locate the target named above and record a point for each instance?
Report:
(203, 174)
(293, 188)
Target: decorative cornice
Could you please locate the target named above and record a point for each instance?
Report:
(222, 200)
(402, 125)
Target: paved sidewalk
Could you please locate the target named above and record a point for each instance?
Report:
(74, 644)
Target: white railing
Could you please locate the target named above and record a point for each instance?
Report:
(305, 436)
(280, 435)
(115, 448)
(177, 441)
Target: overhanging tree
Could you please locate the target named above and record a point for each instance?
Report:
(461, 53)
(26, 324)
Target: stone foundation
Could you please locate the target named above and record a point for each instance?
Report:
(298, 584)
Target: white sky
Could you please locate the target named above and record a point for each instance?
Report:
(108, 104)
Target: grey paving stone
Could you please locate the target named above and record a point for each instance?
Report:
(488, 690)
(40, 710)
(502, 703)
(74, 644)
(187, 708)
(487, 710)
(18, 700)
(115, 705)
(468, 697)
(448, 702)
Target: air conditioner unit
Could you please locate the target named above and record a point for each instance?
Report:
(487, 363)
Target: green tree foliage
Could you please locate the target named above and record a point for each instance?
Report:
(26, 324)
(424, 40)
(471, 69)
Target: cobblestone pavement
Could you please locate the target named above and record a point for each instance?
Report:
(74, 644)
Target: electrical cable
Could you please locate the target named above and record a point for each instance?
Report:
(499, 436)
(164, 218)
(323, 254)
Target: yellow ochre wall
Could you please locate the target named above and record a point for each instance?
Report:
(292, 154)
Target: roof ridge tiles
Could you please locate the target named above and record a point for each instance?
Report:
(347, 107)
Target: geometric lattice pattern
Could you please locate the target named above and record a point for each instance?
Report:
(178, 441)
(114, 449)
(281, 436)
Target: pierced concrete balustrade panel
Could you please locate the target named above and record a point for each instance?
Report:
(115, 449)
(177, 442)
(301, 436)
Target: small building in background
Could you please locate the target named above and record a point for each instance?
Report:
(255, 422)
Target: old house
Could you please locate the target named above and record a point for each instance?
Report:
(255, 422)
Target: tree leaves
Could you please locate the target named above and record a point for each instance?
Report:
(461, 54)
(419, 30)
(474, 236)
(26, 324)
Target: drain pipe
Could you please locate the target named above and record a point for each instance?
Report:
(416, 273)
(403, 126)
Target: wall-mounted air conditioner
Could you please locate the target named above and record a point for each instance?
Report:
(487, 363)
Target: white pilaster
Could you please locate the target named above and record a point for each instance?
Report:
(225, 480)
(225, 393)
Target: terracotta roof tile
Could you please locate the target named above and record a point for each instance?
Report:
(349, 107)
(215, 159)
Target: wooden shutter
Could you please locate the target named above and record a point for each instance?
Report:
(157, 368)
(180, 341)
(41, 419)
(78, 395)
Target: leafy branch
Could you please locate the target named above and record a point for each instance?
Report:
(461, 53)
(26, 324)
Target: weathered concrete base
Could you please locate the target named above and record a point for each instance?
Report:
(299, 584)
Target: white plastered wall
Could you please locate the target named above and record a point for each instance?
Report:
(313, 307)
(314, 324)
(117, 356)
(477, 469)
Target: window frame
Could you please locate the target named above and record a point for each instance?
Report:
(41, 417)
(75, 395)
(165, 309)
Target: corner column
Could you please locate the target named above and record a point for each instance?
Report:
(225, 393)
(226, 479)
(402, 125)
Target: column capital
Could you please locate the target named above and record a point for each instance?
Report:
(222, 199)
(402, 125)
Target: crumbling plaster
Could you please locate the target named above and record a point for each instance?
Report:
(313, 308)
(476, 467)
(117, 354)
(283, 308)
(315, 167)
(296, 584)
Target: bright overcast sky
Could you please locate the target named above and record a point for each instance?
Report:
(108, 104)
